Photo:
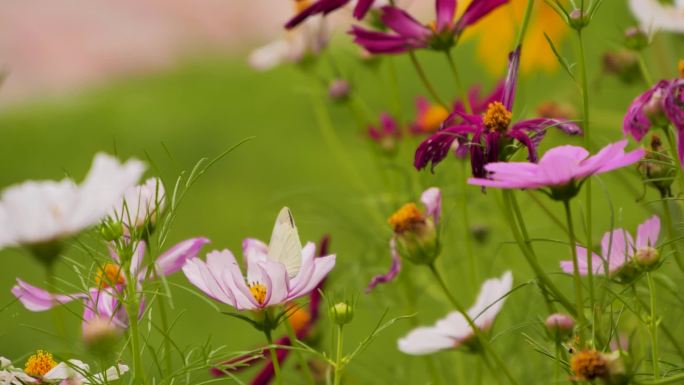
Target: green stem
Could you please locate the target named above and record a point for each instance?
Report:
(338, 356)
(394, 86)
(678, 163)
(510, 205)
(645, 73)
(132, 308)
(468, 241)
(547, 211)
(274, 357)
(653, 327)
(302, 360)
(457, 81)
(492, 370)
(676, 379)
(575, 265)
(476, 330)
(425, 80)
(525, 22)
(165, 327)
(671, 234)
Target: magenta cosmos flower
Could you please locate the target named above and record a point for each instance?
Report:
(493, 133)
(386, 134)
(453, 330)
(661, 105)
(562, 169)
(276, 273)
(325, 7)
(620, 255)
(408, 33)
(102, 301)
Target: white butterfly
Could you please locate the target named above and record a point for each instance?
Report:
(285, 246)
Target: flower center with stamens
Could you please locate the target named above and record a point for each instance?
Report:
(406, 218)
(39, 364)
(589, 365)
(432, 119)
(258, 291)
(301, 5)
(109, 275)
(497, 117)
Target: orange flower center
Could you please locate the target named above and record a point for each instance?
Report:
(589, 365)
(497, 117)
(39, 364)
(406, 218)
(301, 5)
(432, 119)
(681, 68)
(258, 291)
(109, 275)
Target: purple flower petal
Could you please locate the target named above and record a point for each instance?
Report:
(477, 10)
(36, 299)
(361, 8)
(319, 7)
(637, 122)
(445, 10)
(511, 81)
(435, 148)
(394, 270)
(174, 258)
(648, 232)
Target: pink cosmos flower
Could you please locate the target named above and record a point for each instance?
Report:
(432, 200)
(618, 250)
(562, 169)
(103, 301)
(408, 33)
(660, 105)
(276, 273)
(386, 134)
(453, 330)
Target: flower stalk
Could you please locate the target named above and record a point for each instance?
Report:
(653, 326)
(575, 263)
(338, 355)
(274, 354)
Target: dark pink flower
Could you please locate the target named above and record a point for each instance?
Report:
(407, 33)
(386, 134)
(324, 7)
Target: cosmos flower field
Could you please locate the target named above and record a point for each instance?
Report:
(389, 192)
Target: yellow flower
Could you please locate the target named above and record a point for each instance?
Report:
(497, 32)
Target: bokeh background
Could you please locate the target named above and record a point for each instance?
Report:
(168, 82)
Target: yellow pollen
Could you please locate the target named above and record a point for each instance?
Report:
(432, 25)
(39, 364)
(432, 118)
(109, 275)
(406, 218)
(681, 68)
(301, 5)
(589, 365)
(258, 291)
(497, 117)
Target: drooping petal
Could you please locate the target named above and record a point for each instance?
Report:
(174, 258)
(637, 122)
(445, 10)
(432, 199)
(674, 109)
(36, 299)
(73, 369)
(379, 42)
(648, 232)
(527, 142)
(435, 148)
(537, 127)
(394, 270)
(477, 10)
(404, 24)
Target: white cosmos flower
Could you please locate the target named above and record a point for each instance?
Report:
(140, 203)
(36, 212)
(453, 330)
(310, 37)
(653, 14)
(75, 372)
(9, 375)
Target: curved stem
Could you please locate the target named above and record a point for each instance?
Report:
(338, 356)
(476, 330)
(274, 357)
(425, 80)
(575, 264)
(653, 329)
(671, 234)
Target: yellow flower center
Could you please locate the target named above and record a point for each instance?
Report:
(39, 364)
(432, 118)
(109, 275)
(301, 5)
(406, 218)
(589, 365)
(681, 68)
(258, 291)
(497, 117)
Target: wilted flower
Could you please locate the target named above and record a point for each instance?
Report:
(454, 330)
(589, 365)
(276, 273)
(562, 169)
(39, 214)
(659, 15)
(103, 300)
(44, 370)
(618, 251)
(141, 205)
(408, 33)
(386, 134)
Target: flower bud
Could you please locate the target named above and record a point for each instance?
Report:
(416, 235)
(111, 230)
(623, 64)
(342, 313)
(636, 39)
(579, 19)
(338, 90)
(101, 336)
(560, 324)
(647, 257)
(657, 168)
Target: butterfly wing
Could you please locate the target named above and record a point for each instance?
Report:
(285, 246)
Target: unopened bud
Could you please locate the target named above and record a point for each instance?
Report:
(111, 230)
(416, 235)
(647, 256)
(578, 19)
(342, 313)
(624, 64)
(636, 39)
(657, 168)
(101, 336)
(338, 90)
(560, 323)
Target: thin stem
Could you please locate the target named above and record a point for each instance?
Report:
(394, 86)
(526, 21)
(678, 163)
(671, 234)
(165, 327)
(338, 356)
(645, 73)
(468, 241)
(575, 264)
(492, 370)
(476, 330)
(653, 327)
(274, 357)
(302, 360)
(132, 308)
(457, 81)
(547, 211)
(425, 80)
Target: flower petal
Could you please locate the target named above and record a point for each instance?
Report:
(174, 258)
(394, 270)
(36, 299)
(648, 232)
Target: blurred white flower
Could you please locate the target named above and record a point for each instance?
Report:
(654, 14)
(140, 204)
(38, 212)
(9, 375)
(75, 372)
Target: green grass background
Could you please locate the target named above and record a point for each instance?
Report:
(211, 103)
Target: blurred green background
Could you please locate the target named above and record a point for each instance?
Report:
(208, 104)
